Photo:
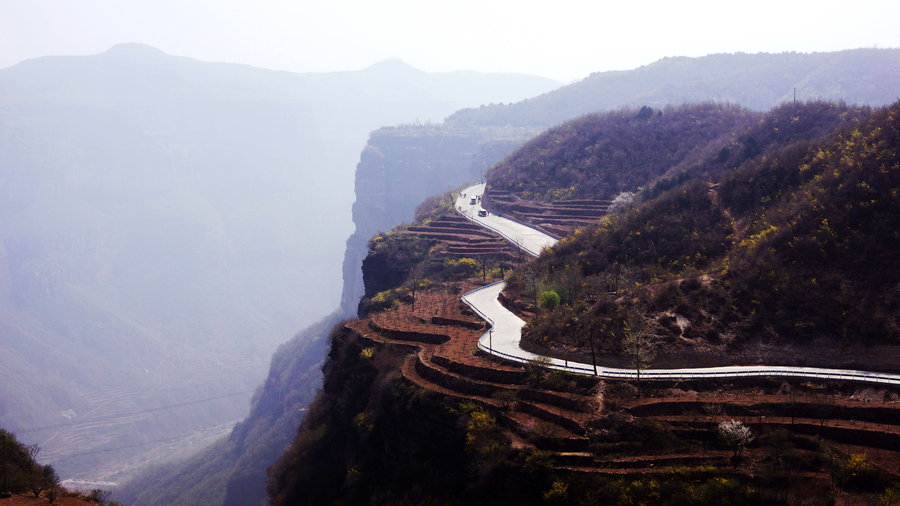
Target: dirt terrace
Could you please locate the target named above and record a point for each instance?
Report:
(444, 334)
(570, 421)
(65, 498)
(558, 218)
(465, 239)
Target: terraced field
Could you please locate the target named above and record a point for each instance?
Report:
(443, 335)
(804, 431)
(466, 239)
(612, 427)
(556, 218)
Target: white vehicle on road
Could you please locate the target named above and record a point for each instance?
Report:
(505, 334)
(524, 237)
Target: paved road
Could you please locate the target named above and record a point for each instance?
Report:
(503, 338)
(526, 238)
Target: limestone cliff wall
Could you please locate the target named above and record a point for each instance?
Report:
(400, 167)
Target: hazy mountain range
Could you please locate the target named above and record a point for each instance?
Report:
(757, 81)
(401, 166)
(166, 223)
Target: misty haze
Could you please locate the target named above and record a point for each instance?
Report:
(167, 223)
(258, 258)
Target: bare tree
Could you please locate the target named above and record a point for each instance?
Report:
(497, 258)
(35, 478)
(530, 273)
(615, 274)
(3, 440)
(51, 481)
(593, 351)
(639, 348)
(99, 495)
(520, 248)
(573, 280)
(416, 274)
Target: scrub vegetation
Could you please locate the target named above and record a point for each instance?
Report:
(769, 236)
(794, 245)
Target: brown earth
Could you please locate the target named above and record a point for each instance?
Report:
(64, 499)
(556, 218)
(571, 419)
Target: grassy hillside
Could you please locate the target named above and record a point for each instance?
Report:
(795, 244)
(24, 481)
(602, 155)
(410, 414)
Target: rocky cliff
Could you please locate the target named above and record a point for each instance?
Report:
(409, 414)
(400, 167)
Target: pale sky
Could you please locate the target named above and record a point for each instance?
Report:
(560, 39)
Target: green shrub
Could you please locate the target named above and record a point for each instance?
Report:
(548, 300)
(461, 268)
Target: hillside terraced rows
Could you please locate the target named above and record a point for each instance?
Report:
(580, 423)
(444, 337)
(466, 239)
(557, 218)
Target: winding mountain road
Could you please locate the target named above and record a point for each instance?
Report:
(524, 237)
(505, 334)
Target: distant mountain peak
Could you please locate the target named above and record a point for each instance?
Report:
(134, 49)
(392, 65)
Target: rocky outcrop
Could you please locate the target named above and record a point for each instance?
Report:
(402, 166)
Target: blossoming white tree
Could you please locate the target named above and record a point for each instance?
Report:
(735, 434)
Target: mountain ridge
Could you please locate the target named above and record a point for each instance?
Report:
(399, 383)
(765, 80)
(392, 171)
(155, 238)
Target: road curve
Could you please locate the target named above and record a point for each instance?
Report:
(505, 334)
(524, 237)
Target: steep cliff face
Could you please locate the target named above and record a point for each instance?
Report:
(400, 167)
(162, 221)
(409, 415)
(278, 162)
